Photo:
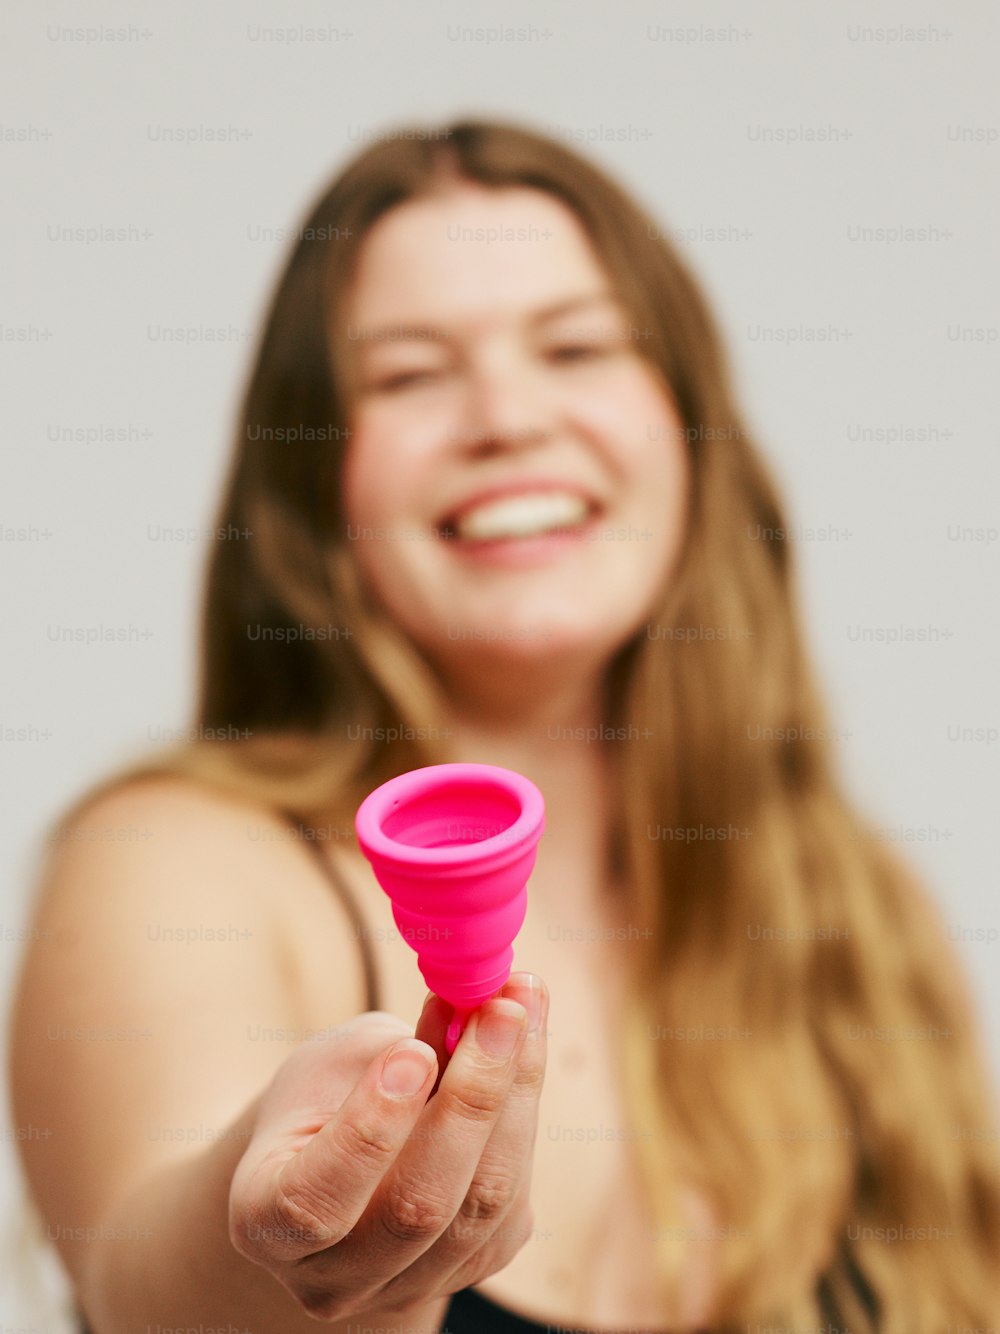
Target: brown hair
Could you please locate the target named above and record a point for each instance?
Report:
(809, 1085)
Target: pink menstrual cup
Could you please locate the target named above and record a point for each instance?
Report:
(453, 846)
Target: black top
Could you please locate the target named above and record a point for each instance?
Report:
(472, 1312)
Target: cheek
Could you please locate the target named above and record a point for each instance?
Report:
(633, 407)
(662, 462)
(365, 508)
(376, 481)
(370, 478)
(650, 451)
(654, 456)
(387, 458)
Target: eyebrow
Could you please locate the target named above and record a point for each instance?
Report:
(396, 333)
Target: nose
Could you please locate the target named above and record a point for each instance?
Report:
(505, 408)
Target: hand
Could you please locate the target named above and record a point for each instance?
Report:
(381, 1173)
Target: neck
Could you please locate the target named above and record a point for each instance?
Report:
(555, 740)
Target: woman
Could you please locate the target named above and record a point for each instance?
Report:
(502, 507)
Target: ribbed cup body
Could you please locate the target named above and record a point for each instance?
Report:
(462, 926)
(453, 846)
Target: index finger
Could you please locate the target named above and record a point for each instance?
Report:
(314, 1197)
(424, 1189)
(432, 1027)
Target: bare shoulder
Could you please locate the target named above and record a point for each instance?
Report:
(160, 817)
(190, 850)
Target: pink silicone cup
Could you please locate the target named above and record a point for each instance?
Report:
(453, 846)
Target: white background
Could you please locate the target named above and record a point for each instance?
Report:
(909, 131)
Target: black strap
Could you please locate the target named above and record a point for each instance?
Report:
(343, 892)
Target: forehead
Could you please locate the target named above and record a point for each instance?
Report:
(471, 256)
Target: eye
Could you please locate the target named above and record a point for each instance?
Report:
(404, 379)
(576, 352)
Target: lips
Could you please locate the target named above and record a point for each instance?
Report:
(519, 509)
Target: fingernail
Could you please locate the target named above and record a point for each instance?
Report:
(405, 1071)
(498, 1031)
(531, 994)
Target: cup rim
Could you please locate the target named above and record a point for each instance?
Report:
(524, 831)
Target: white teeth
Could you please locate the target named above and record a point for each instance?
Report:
(522, 515)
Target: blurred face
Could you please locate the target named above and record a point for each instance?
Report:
(516, 479)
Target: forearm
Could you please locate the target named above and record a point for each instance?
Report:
(176, 1266)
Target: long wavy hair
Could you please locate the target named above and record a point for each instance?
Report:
(799, 1043)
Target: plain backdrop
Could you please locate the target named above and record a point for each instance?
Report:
(831, 173)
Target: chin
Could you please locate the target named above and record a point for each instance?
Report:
(535, 643)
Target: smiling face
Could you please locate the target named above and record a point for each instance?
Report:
(492, 358)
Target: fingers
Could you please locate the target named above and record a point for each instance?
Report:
(496, 1209)
(509, 1149)
(398, 1190)
(430, 1177)
(309, 1087)
(315, 1198)
(432, 1027)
